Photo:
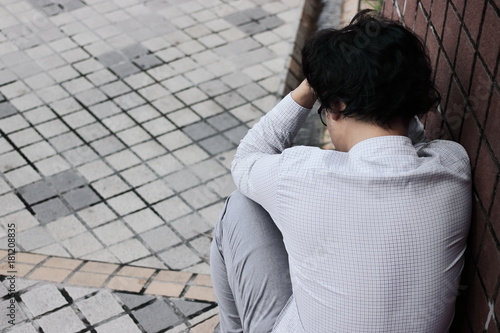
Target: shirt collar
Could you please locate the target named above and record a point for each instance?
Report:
(383, 145)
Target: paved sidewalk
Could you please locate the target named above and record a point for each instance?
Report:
(118, 123)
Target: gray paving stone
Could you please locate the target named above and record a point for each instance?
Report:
(223, 121)
(107, 145)
(81, 197)
(236, 79)
(129, 101)
(80, 155)
(271, 22)
(64, 320)
(123, 324)
(82, 244)
(216, 144)
(202, 245)
(105, 109)
(134, 51)
(99, 307)
(37, 192)
(129, 250)
(191, 225)
(6, 76)
(238, 18)
(147, 61)
(179, 257)
(252, 28)
(200, 196)
(182, 180)
(67, 180)
(160, 238)
(124, 69)
(237, 47)
(236, 134)
(113, 232)
(132, 301)
(156, 316)
(189, 308)
(43, 299)
(66, 141)
(23, 328)
(7, 109)
(214, 87)
(230, 100)
(115, 88)
(34, 238)
(254, 57)
(50, 210)
(109, 59)
(199, 130)
(252, 91)
(90, 97)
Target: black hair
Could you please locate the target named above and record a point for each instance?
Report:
(377, 67)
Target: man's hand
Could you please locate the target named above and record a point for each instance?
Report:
(304, 95)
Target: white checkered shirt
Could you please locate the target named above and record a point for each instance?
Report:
(375, 236)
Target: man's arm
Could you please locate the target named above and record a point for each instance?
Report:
(255, 167)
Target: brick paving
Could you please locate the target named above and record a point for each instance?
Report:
(118, 123)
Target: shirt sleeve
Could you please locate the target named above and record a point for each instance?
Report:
(256, 165)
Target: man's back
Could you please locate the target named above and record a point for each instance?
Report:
(375, 236)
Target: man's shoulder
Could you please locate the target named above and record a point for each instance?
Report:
(450, 153)
(310, 156)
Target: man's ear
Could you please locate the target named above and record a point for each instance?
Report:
(335, 116)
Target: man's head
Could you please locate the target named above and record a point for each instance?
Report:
(373, 70)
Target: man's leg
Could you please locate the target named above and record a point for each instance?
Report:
(249, 266)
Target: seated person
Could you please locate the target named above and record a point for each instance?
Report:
(369, 237)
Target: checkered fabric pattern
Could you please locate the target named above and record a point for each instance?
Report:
(375, 236)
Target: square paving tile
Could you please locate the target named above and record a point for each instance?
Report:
(99, 307)
(182, 180)
(160, 238)
(50, 210)
(7, 109)
(143, 220)
(191, 225)
(189, 308)
(34, 238)
(156, 316)
(129, 250)
(66, 227)
(22, 176)
(110, 186)
(123, 324)
(180, 257)
(97, 215)
(113, 232)
(132, 301)
(199, 130)
(81, 197)
(43, 299)
(64, 320)
(37, 192)
(216, 144)
(23, 220)
(82, 244)
(67, 180)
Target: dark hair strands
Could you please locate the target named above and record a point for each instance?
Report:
(377, 67)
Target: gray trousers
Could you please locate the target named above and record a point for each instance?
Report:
(249, 266)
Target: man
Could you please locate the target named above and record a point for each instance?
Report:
(365, 238)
